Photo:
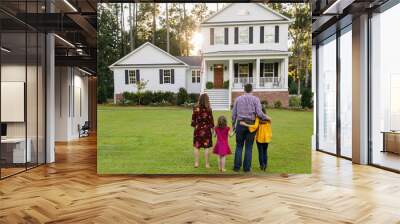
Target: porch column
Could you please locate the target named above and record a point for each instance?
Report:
(257, 76)
(203, 76)
(231, 80)
(285, 72)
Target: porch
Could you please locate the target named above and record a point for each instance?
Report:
(264, 74)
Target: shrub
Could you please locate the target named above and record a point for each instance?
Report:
(264, 103)
(294, 102)
(182, 96)
(193, 97)
(209, 85)
(306, 98)
(158, 97)
(169, 97)
(147, 98)
(129, 98)
(278, 104)
(226, 84)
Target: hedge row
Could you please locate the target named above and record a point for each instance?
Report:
(159, 98)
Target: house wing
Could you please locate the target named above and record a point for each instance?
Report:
(148, 54)
(246, 12)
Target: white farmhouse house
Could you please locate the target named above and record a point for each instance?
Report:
(242, 43)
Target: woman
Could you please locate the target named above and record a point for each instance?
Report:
(203, 123)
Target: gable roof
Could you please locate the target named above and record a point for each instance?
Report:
(168, 58)
(194, 61)
(283, 18)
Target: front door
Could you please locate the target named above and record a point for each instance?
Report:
(218, 76)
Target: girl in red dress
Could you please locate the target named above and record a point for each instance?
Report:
(203, 123)
(222, 149)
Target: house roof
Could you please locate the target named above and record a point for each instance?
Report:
(194, 61)
(172, 59)
(283, 18)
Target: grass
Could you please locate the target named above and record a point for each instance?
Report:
(158, 140)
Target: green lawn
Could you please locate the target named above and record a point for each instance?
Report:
(158, 140)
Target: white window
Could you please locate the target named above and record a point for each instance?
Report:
(167, 76)
(195, 76)
(269, 34)
(244, 70)
(132, 76)
(268, 70)
(219, 36)
(243, 35)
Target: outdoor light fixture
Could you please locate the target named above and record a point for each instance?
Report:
(225, 68)
(211, 68)
(5, 50)
(70, 5)
(65, 41)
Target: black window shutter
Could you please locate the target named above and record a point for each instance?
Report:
(126, 77)
(211, 36)
(261, 34)
(137, 75)
(276, 69)
(261, 69)
(236, 35)
(161, 76)
(236, 70)
(172, 76)
(226, 35)
(251, 35)
(276, 34)
(250, 69)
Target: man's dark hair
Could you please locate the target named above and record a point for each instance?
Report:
(248, 88)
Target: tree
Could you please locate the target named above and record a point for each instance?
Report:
(140, 86)
(108, 50)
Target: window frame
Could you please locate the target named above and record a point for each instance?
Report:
(165, 75)
(132, 77)
(269, 34)
(219, 36)
(195, 76)
(268, 73)
(244, 30)
(240, 73)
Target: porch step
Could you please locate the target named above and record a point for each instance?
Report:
(219, 99)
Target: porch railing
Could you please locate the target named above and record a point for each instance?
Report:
(265, 82)
(271, 82)
(241, 81)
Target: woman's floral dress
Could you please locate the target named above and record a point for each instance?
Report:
(203, 122)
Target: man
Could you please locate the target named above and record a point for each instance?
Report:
(245, 108)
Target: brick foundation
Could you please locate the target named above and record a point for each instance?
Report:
(270, 96)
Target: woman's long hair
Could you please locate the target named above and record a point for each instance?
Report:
(204, 101)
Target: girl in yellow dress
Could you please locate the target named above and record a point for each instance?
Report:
(263, 138)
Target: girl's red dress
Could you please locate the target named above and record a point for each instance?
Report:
(222, 147)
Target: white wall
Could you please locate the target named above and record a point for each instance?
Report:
(192, 87)
(256, 45)
(71, 87)
(152, 76)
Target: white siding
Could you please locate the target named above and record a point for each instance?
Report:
(241, 12)
(256, 45)
(149, 54)
(152, 76)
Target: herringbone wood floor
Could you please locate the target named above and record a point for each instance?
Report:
(69, 191)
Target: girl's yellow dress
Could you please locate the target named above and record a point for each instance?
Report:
(264, 130)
